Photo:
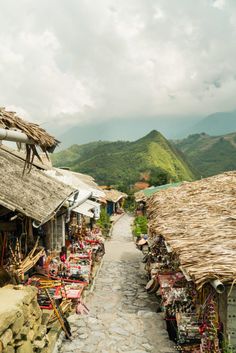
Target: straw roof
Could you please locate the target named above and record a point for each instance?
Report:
(198, 222)
(139, 196)
(44, 165)
(9, 120)
(35, 195)
(47, 143)
(114, 195)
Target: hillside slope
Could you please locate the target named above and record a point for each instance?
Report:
(210, 154)
(123, 163)
(217, 124)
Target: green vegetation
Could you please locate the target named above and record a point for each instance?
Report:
(140, 226)
(210, 155)
(159, 176)
(122, 163)
(129, 204)
(104, 222)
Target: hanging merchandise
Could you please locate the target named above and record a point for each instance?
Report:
(209, 327)
(162, 256)
(188, 328)
(178, 296)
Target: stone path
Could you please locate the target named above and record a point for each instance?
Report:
(122, 316)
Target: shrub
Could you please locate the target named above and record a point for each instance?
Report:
(140, 226)
(104, 222)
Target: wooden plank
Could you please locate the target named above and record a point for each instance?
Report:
(7, 226)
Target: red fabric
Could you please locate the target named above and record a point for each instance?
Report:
(63, 257)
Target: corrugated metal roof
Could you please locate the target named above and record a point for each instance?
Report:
(76, 180)
(33, 194)
(85, 209)
(152, 190)
(144, 194)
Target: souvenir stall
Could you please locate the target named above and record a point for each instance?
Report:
(23, 226)
(36, 220)
(68, 272)
(194, 282)
(62, 276)
(191, 316)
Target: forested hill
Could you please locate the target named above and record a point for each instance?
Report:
(124, 163)
(210, 155)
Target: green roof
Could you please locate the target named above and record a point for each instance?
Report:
(152, 190)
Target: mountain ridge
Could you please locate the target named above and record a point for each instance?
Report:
(210, 155)
(118, 162)
(219, 123)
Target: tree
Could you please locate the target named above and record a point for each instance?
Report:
(159, 176)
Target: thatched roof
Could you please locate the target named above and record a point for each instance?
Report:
(198, 222)
(139, 196)
(9, 120)
(44, 165)
(114, 195)
(33, 194)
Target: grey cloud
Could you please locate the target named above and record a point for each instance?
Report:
(78, 61)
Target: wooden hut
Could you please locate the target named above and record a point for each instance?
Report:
(193, 230)
(31, 205)
(115, 200)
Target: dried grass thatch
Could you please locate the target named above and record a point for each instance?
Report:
(114, 195)
(198, 221)
(139, 196)
(35, 195)
(47, 143)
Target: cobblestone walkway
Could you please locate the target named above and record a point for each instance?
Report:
(122, 316)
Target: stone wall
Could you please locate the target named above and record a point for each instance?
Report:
(21, 328)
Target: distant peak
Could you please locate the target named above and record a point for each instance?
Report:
(153, 134)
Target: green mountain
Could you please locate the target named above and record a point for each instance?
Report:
(217, 124)
(126, 128)
(210, 154)
(123, 163)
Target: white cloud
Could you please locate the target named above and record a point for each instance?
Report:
(158, 14)
(219, 4)
(99, 60)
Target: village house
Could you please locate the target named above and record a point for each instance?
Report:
(32, 205)
(193, 261)
(56, 192)
(115, 201)
(42, 210)
(86, 207)
(43, 201)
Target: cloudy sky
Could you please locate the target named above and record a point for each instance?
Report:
(65, 62)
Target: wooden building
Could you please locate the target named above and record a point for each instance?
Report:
(115, 201)
(192, 229)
